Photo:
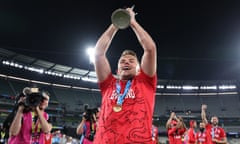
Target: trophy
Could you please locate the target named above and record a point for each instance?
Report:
(120, 18)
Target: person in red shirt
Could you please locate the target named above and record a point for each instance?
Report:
(175, 129)
(128, 99)
(48, 138)
(214, 131)
(155, 139)
(191, 133)
(202, 137)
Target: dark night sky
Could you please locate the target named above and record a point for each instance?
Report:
(196, 40)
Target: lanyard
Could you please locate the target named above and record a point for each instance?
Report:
(92, 126)
(213, 131)
(122, 96)
(36, 127)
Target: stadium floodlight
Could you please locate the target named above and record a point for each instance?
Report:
(190, 87)
(91, 53)
(94, 80)
(13, 64)
(5, 62)
(223, 87)
(33, 69)
(160, 86)
(208, 87)
(71, 77)
(173, 87)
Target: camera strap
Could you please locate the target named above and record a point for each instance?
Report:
(92, 126)
(36, 127)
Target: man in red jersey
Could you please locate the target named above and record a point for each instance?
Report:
(202, 137)
(217, 133)
(127, 99)
(175, 129)
(191, 133)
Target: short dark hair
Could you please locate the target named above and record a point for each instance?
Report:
(129, 52)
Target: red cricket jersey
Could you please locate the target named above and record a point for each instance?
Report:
(133, 124)
(192, 136)
(175, 135)
(203, 138)
(215, 132)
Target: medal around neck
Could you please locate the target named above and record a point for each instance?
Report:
(117, 108)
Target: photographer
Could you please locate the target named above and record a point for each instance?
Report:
(88, 126)
(8, 121)
(30, 124)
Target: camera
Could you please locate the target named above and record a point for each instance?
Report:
(33, 97)
(88, 115)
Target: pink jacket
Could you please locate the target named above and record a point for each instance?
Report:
(24, 136)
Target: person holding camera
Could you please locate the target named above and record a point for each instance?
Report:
(30, 124)
(88, 126)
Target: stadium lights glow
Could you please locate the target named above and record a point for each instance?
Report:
(190, 87)
(53, 73)
(48, 72)
(227, 87)
(16, 65)
(93, 79)
(91, 52)
(12, 64)
(198, 94)
(173, 87)
(208, 87)
(160, 86)
(72, 77)
(89, 79)
(38, 70)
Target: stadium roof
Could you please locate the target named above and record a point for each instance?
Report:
(48, 66)
(196, 40)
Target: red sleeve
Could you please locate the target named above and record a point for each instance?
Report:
(171, 131)
(208, 127)
(222, 133)
(110, 81)
(106, 82)
(181, 131)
